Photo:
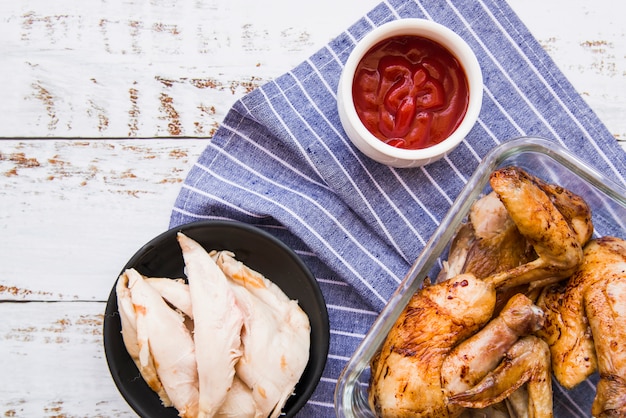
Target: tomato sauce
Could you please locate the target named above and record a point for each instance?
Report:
(410, 92)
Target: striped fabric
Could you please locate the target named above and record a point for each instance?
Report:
(281, 161)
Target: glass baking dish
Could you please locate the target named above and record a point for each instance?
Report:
(540, 157)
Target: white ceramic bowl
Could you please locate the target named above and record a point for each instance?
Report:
(373, 147)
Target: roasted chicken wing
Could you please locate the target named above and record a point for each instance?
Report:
(467, 341)
(586, 324)
(474, 358)
(437, 359)
(496, 245)
(526, 362)
(406, 374)
(523, 235)
(557, 239)
(605, 305)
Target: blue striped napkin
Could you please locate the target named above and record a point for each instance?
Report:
(281, 161)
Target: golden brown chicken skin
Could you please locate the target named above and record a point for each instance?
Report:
(498, 245)
(586, 325)
(605, 304)
(406, 373)
(567, 329)
(439, 359)
(467, 341)
(525, 233)
(474, 358)
(556, 238)
(526, 362)
(568, 334)
(572, 206)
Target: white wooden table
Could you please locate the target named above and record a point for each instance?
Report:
(126, 95)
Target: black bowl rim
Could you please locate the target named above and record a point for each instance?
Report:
(111, 309)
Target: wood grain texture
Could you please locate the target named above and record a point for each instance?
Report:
(162, 68)
(587, 40)
(75, 210)
(166, 68)
(53, 362)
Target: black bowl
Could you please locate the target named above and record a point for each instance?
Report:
(259, 250)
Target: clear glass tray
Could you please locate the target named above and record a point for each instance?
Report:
(540, 157)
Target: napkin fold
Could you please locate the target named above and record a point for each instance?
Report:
(281, 161)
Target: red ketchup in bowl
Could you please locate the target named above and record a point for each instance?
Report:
(410, 92)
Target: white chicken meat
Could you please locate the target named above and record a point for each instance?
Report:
(128, 320)
(225, 343)
(276, 336)
(164, 340)
(217, 326)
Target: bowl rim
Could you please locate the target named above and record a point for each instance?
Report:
(438, 33)
(315, 370)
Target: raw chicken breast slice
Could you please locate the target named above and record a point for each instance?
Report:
(162, 335)
(276, 336)
(217, 323)
(129, 336)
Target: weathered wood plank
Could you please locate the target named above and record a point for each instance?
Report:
(587, 40)
(74, 212)
(121, 68)
(115, 68)
(53, 362)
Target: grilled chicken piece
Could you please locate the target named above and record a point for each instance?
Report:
(438, 358)
(605, 304)
(406, 373)
(502, 232)
(457, 255)
(494, 363)
(471, 360)
(217, 326)
(498, 244)
(524, 235)
(527, 361)
(572, 206)
(163, 337)
(275, 337)
(488, 243)
(567, 329)
(586, 324)
(556, 238)
(568, 334)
